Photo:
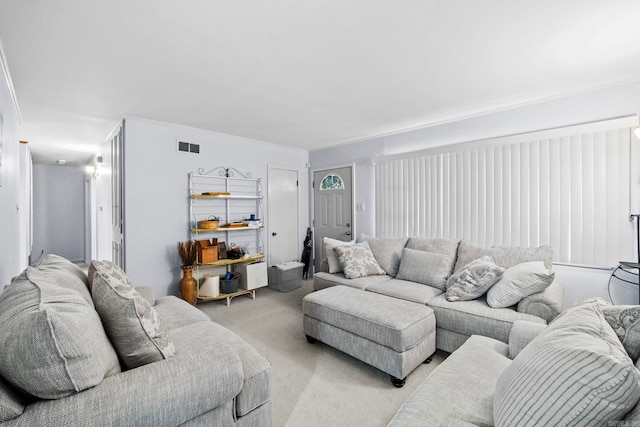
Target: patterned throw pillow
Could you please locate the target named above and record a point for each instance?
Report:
(575, 373)
(357, 260)
(473, 280)
(625, 321)
(134, 327)
(332, 259)
(423, 267)
(518, 282)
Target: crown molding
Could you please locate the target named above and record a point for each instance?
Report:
(12, 93)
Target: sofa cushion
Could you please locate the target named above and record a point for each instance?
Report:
(387, 252)
(519, 281)
(502, 255)
(11, 402)
(134, 327)
(428, 268)
(53, 342)
(357, 260)
(473, 280)
(326, 280)
(575, 373)
(406, 290)
(439, 246)
(332, 257)
(625, 321)
(475, 317)
(460, 390)
(66, 274)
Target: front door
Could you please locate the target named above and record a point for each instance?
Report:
(332, 208)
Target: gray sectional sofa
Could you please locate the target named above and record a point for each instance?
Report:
(92, 350)
(429, 263)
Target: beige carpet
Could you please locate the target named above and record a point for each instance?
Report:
(313, 384)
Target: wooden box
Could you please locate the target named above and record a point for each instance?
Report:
(207, 251)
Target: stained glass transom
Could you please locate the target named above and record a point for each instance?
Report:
(332, 182)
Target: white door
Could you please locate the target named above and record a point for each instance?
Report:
(332, 208)
(282, 200)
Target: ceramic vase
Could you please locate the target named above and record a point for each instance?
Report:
(188, 286)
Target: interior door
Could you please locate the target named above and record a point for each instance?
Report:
(284, 242)
(332, 208)
(117, 199)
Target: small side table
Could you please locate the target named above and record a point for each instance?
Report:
(630, 268)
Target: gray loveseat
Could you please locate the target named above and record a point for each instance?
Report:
(429, 263)
(574, 372)
(93, 350)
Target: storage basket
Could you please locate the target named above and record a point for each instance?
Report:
(230, 286)
(207, 251)
(209, 224)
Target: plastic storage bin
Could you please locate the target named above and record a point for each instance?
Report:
(286, 277)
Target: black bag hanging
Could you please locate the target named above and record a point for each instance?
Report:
(306, 253)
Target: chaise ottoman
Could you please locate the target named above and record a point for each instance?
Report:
(392, 335)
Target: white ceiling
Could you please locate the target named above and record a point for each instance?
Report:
(300, 73)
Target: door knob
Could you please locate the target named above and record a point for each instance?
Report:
(274, 234)
(348, 233)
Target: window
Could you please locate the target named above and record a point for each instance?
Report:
(568, 188)
(331, 182)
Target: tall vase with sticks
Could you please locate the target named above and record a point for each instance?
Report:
(188, 252)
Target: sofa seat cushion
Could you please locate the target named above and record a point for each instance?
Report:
(326, 280)
(174, 312)
(136, 331)
(443, 400)
(575, 373)
(256, 388)
(475, 317)
(504, 256)
(403, 289)
(53, 342)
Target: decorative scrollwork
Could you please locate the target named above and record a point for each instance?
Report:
(226, 172)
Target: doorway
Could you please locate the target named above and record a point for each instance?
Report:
(332, 208)
(282, 215)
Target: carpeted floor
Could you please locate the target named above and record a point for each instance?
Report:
(312, 384)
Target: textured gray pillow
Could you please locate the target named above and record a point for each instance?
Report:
(473, 280)
(66, 274)
(427, 268)
(332, 258)
(518, 282)
(575, 373)
(439, 246)
(133, 325)
(625, 321)
(387, 252)
(53, 342)
(357, 260)
(503, 256)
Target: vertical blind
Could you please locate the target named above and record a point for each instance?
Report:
(568, 188)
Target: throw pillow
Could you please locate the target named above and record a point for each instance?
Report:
(439, 246)
(130, 321)
(387, 252)
(329, 245)
(575, 373)
(518, 282)
(625, 321)
(473, 280)
(423, 267)
(53, 342)
(357, 260)
(66, 274)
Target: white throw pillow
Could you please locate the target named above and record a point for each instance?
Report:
(518, 282)
(330, 244)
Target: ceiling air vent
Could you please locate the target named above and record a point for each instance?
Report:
(186, 147)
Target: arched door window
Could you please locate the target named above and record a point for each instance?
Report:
(331, 182)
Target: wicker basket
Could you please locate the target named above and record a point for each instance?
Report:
(209, 224)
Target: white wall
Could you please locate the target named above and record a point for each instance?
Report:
(607, 103)
(58, 211)
(13, 194)
(156, 190)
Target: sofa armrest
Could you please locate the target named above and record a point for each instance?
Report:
(168, 392)
(522, 333)
(147, 293)
(546, 304)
